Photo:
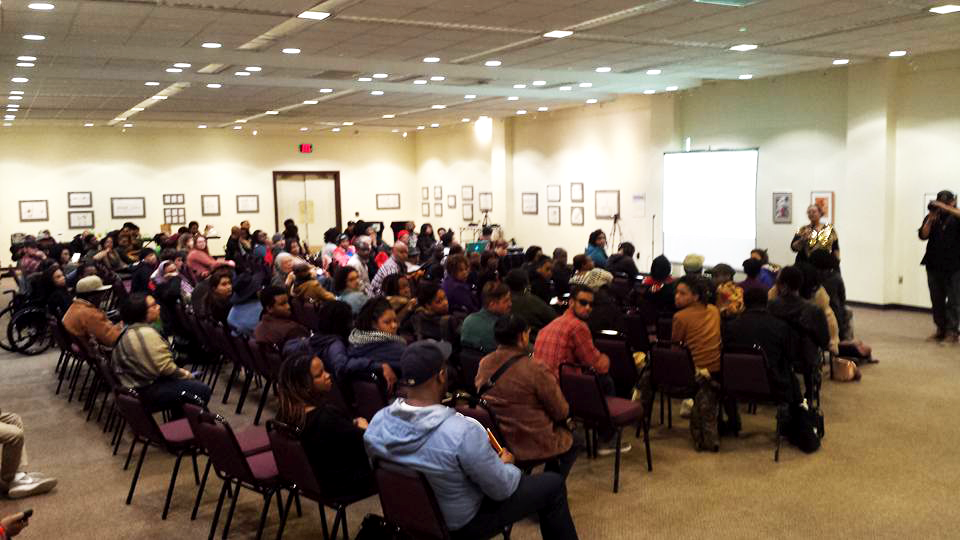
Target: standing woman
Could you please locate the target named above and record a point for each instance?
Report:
(425, 242)
(815, 236)
(596, 248)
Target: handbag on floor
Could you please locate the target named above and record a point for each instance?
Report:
(805, 428)
(845, 370)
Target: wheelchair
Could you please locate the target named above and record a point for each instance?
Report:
(24, 325)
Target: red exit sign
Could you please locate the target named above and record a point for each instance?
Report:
(306, 148)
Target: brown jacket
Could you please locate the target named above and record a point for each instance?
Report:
(313, 291)
(84, 319)
(528, 404)
(278, 331)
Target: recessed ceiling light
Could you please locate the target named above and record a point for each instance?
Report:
(304, 129)
(291, 50)
(493, 63)
(33, 37)
(40, 6)
(557, 34)
(314, 15)
(376, 93)
(211, 45)
(743, 47)
(654, 71)
(128, 125)
(25, 64)
(672, 88)
(240, 121)
(470, 96)
(745, 77)
(242, 73)
(604, 69)
(9, 117)
(539, 83)
(182, 65)
(347, 123)
(388, 116)
(15, 98)
(522, 112)
(394, 131)
(945, 9)
(151, 83)
(272, 113)
(585, 85)
(649, 92)
(364, 79)
(19, 80)
(565, 88)
(335, 130)
(326, 90)
(419, 81)
(7, 124)
(16, 92)
(543, 109)
(519, 86)
(434, 125)
(380, 75)
(237, 127)
(421, 127)
(464, 120)
(158, 97)
(26, 58)
(138, 109)
(174, 70)
(512, 98)
(591, 101)
(88, 124)
(310, 102)
(438, 106)
(438, 78)
(431, 60)
(202, 126)
(841, 61)
(253, 68)
(214, 85)
(898, 53)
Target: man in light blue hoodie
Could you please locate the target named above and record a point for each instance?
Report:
(479, 491)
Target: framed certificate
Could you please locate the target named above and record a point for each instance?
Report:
(553, 215)
(81, 219)
(210, 205)
(486, 201)
(388, 201)
(553, 193)
(528, 203)
(248, 204)
(466, 193)
(576, 192)
(128, 207)
(79, 199)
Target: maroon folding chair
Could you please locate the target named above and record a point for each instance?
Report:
(369, 394)
(408, 501)
(481, 411)
(637, 333)
(243, 356)
(266, 360)
(623, 370)
(665, 329)
(746, 376)
(298, 475)
(597, 411)
(175, 437)
(469, 365)
(673, 374)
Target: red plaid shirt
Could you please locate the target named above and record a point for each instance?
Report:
(568, 340)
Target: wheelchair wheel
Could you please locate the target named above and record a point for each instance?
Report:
(29, 332)
(6, 317)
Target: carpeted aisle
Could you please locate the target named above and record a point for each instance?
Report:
(888, 468)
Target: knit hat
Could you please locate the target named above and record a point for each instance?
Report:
(693, 263)
(423, 360)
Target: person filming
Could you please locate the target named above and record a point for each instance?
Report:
(941, 230)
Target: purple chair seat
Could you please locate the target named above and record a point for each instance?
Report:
(263, 466)
(177, 432)
(253, 440)
(623, 411)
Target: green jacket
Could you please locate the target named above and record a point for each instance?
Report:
(533, 310)
(477, 331)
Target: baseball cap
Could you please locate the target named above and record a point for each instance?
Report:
(91, 284)
(422, 360)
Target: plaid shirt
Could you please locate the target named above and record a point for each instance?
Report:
(388, 268)
(568, 339)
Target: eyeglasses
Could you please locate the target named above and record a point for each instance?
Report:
(585, 303)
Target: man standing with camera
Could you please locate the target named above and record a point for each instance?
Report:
(941, 229)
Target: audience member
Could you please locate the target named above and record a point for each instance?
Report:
(768, 271)
(729, 296)
(30, 258)
(586, 274)
(426, 241)
(234, 250)
(54, 292)
(65, 259)
(828, 274)
(200, 262)
(349, 289)
(622, 261)
(411, 239)
(292, 246)
(246, 308)
(306, 285)
(489, 263)
(276, 325)
(531, 309)
(107, 255)
(283, 270)
(362, 263)
(459, 294)
(397, 291)
(596, 245)
(374, 343)
(561, 273)
(540, 275)
(806, 319)
(344, 250)
(753, 269)
(431, 319)
(394, 265)
(217, 302)
(140, 281)
(84, 319)
(477, 329)
(659, 286)
(14, 483)
(567, 339)
(479, 492)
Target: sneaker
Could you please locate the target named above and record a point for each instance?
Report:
(685, 407)
(27, 484)
(610, 448)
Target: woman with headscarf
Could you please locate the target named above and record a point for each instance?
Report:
(200, 262)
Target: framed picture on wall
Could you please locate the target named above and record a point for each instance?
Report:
(553, 193)
(79, 199)
(248, 204)
(607, 203)
(425, 193)
(438, 193)
(175, 216)
(34, 211)
(576, 192)
(425, 209)
(451, 201)
(388, 201)
(825, 201)
(210, 205)
(528, 203)
(466, 212)
(486, 201)
(438, 209)
(553, 215)
(576, 216)
(128, 207)
(783, 207)
(174, 198)
(80, 219)
(466, 193)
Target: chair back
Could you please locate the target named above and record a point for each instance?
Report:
(135, 412)
(745, 373)
(623, 371)
(292, 462)
(672, 369)
(242, 353)
(469, 365)
(369, 394)
(638, 335)
(217, 438)
(582, 390)
(480, 410)
(305, 312)
(408, 501)
(620, 289)
(664, 328)
(266, 359)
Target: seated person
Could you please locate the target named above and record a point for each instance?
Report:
(527, 399)
(140, 281)
(524, 304)
(143, 361)
(245, 308)
(805, 319)
(333, 440)
(30, 257)
(729, 295)
(489, 262)
(561, 272)
(350, 288)
(659, 285)
(54, 292)
(479, 492)
(584, 273)
(217, 300)
(14, 483)
(374, 342)
(305, 284)
(397, 290)
(199, 261)
(477, 329)
(568, 339)
(459, 293)
(768, 270)
(276, 325)
(622, 261)
(432, 319)
(84, 319)
(540, 276)
(752, 268)
(828, 273)
(107, 255)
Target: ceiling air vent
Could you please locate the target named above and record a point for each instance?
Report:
(731, 3)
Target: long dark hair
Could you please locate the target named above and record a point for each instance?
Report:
(340, 283)
(371, 313)
(295, 386)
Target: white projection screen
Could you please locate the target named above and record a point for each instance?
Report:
(710, 205)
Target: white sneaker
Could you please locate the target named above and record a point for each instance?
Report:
(610, 448)
(27, 484)
(685, 407)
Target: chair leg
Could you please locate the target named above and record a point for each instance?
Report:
(616, 466)
(216, 514)
(230, 380)
(285, 515)
(247, 379)
(669, 413)
(646, 444)
(173, 482)
(203, 484)
(130, 453)
(196, 469)
(661, 408)
(136, 473)
(121, 425)
(323, 522)
(342, 510)
(233, 506)
(296, 500)
(264, 395)
(264, 512)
